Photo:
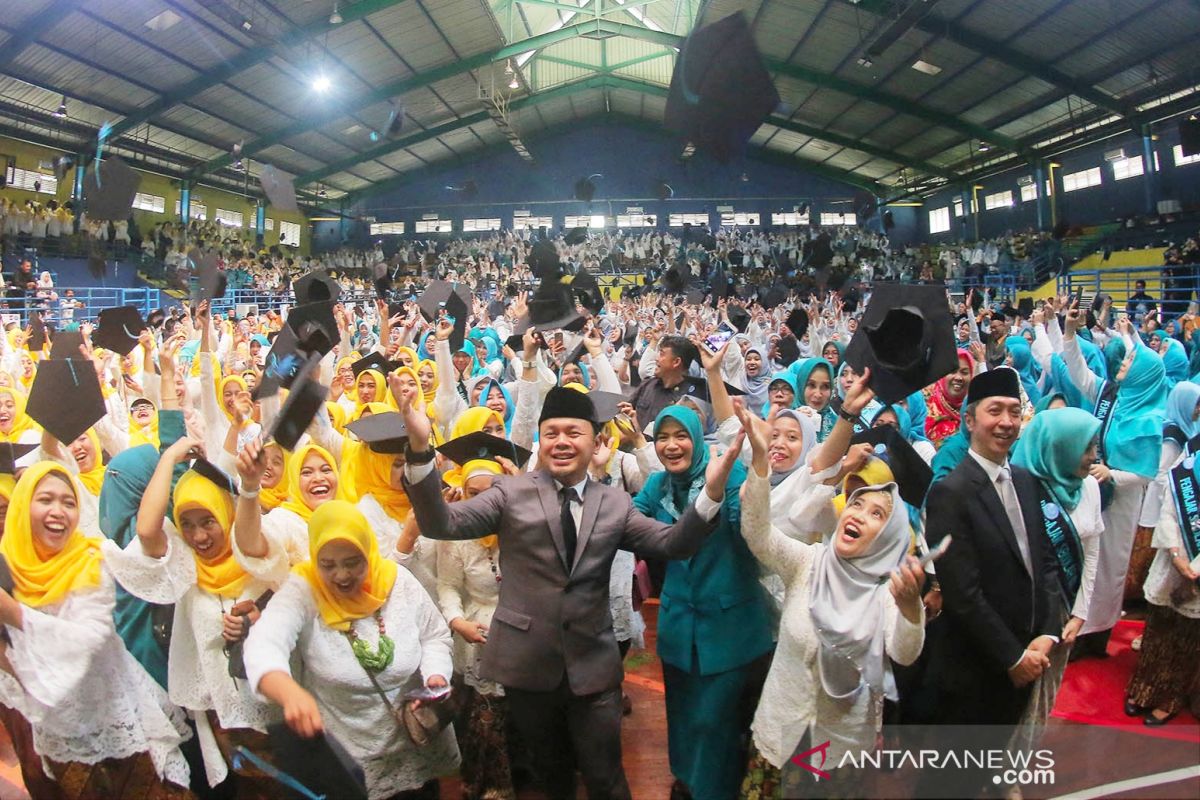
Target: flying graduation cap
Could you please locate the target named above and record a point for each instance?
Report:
(109, 190)
(66, 345)
(316, 287)
(374, 361)
(119, 329)
(480, 446)
(211, 280)
(279, 188)
(913, 476)
(303, 402)
(720, 90)
(215, 475)
(281, 364)
(65, 398)
(453, 298)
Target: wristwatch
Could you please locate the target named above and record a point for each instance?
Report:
(415, 458)
(528, 364)
(846, 415)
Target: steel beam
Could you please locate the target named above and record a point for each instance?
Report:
(38, 25)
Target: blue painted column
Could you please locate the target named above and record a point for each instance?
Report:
(185, 203)
(1149, 171)
(260, 222)
(1043, 208)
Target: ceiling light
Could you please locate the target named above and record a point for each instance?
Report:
(247, 24)
(336, 17)
(322, 83)
(984, 147)
(321, 191)
(865, 61)
(508, 68)
(165, 20)
(61, 113)
(514, 83)
(926, 67)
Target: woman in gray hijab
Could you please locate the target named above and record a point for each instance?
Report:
(852, 606)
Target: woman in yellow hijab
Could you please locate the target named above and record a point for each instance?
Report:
(352, 448)
(143, 423)
(214, 596)
(427, 375)
(345, 393)
(7, 484)
(89, 457)
(227, 391)
(347, 611)
(274, 481)
(94, 701)
(15, 424)
(407, 378)
(407, 357)
(370, 387)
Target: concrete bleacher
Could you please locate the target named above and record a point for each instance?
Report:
(1113, 275)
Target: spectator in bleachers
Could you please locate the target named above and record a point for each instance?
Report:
(1140, 304)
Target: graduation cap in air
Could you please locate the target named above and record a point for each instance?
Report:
(480, 446)
(906, 338)
(109, 189)
(316, 287)
(738, 318)
(374, 361)
(303, 402)
(384, 433)
(96, 263)
(11, 453)
(586, 289)
(673, 279)
(543, 260)
(119, 329)
(211, 280)
(281, 364)
(720, 90)
(698, 388)
(695, 297)
(38, 332)
(585, 188)
(215, 475)
(454, 299)
(606, 404)
(315, 327)
(320, 764)
(797, 322)
(279, 189)
(1025, 307)
(552, 307)
(577, 235)
(382, 279)
(976, 301)
(517, 340)
(65, 398)
(66, 345)
(912, 474)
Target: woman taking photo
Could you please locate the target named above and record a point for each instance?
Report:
(366, 633)
(65, 669)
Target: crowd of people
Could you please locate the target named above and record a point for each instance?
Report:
(444, 570)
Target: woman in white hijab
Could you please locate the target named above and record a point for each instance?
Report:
(852, 606)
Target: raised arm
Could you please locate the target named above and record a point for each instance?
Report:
(838, 442)
(153, 508)
(247, 525)
(722, 405)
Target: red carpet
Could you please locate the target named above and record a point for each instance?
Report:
(1093, 690)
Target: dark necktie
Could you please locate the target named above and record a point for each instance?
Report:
(568, 524)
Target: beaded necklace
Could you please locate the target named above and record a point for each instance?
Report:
(492, 563)
(373, 659)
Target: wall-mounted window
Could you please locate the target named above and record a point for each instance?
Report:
(998, 200)
(150, 202)
(1085, 178)
(584, 221)
(679, 220)
(232, 219)
(31, 181)
(488, 224)
(791, 218)
(268, 224)
(289, 233)
(198, 210)
(1128, 168)
(636, 220)
(838, 218)
(1029, 193)
(1180, 159)
(532, 223)
(433, 226)
(739, 218)
(387, 228)
(939, 220)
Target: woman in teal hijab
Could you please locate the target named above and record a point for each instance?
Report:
(1175, 362)
(713, 621)
(1022, 360)
(814, 379)
(835, 353)
(781, 386)
(1058, 447)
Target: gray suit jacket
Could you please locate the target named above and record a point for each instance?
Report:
(553, 617)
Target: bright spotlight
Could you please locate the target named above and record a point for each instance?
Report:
(322, 84)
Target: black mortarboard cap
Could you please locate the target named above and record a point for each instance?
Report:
(321, 764)
(315, 327)
(279, 189)
(303, 402)
(695, 297)
(797, 322)
(567, 403)
(999, 382)
(906, 338)
(119, 329)
(585, 189)
(37, 332)
(552, 307)
(215, 475)
(698, 388)
(110, 194)
(211, 280)
(586, 289)
(455, 298)
(480, 445)
(912, 474)
(673, 279)
(976, 301)
(66, 345)
(1025, 307)
(316, 287)
(738, 318)
(374, 361)
(65, 398)
(605, 404)
(10, 453)
(382, 279)
(543, 260)
(384, 433)
(281, 364)
(789, 351)
(720, 90)
(576, 236)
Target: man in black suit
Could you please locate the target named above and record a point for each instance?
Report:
(998, 576)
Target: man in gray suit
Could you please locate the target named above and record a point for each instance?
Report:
(551, 644)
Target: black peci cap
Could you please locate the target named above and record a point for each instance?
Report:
(999, 382)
